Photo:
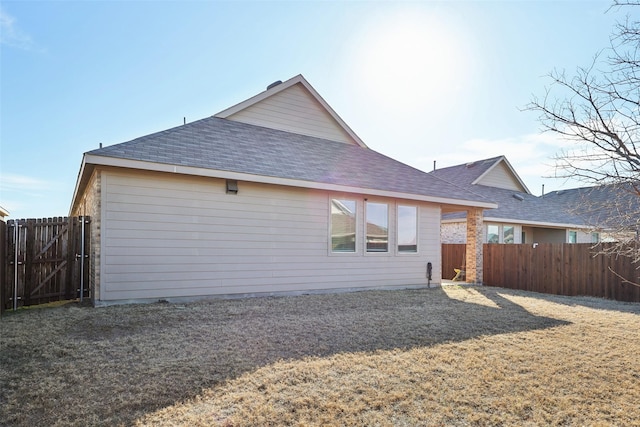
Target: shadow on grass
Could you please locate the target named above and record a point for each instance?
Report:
(112, 365)
(573, 301)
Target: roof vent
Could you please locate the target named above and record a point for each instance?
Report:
(470, 164)
(518, 197)
(274, 84)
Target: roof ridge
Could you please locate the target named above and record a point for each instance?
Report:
(470, 163)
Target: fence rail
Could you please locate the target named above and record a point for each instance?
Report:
(557, 268)
(44, 260)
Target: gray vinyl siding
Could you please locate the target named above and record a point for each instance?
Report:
(294, 110)
(501, 177)
(170, 235)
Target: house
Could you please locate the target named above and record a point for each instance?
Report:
(612, 210)
(520, 217)
(3, 213)
(273, 195)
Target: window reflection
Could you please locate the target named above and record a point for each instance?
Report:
(492, 234)
(377, 227)
(407, 229)
(508, 234)
(343, 225)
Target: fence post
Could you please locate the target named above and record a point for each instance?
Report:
(4, 264)
(70, 278)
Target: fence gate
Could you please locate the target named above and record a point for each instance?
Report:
(46, 260)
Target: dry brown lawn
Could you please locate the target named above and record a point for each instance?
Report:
(450, 356)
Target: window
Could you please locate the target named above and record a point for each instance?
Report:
(346, 229)
(595, 237)
(573, 237)
(343, 225)
(503, 233)
(508, 234)
(407, 229)
(377, 227)
(493, 233)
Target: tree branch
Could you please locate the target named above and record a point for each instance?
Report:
(623, 279)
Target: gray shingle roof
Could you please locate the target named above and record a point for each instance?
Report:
(609, 206)
(465, 174)
(523, 207)
(221, 144)
(530, 208)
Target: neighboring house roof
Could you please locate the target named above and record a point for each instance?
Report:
(611, 206)
(225, 148)
(527, 209)
(523, 208)
(493, 172)
(3, 212)
(515, 203)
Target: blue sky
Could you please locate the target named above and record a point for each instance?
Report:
(417, 81)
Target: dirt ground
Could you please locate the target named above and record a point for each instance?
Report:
(453, 355)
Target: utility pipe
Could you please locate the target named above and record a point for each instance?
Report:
(16, 240)
(82, 262)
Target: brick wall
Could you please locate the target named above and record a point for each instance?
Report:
(90, 206)
(453, 232)
(474, 245)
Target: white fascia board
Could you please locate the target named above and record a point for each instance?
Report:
(79, 183)
(534, 223)
(517, 222)
(283, 86)
(477, 180)
(257, 98)
(263, 179)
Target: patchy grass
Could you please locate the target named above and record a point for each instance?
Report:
(457, 355)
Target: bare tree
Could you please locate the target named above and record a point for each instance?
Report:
(598, 109)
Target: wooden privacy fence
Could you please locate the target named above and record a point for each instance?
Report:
(44, 260)
(453, 256)
(3, 257)
(561, 269)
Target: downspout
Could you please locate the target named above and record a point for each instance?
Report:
(82, 261)
(16, 241)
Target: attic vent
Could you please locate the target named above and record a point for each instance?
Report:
(274, 84)
(232, 186)
(518, 197)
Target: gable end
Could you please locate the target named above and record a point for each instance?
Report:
(501, 175)
(293, 106)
